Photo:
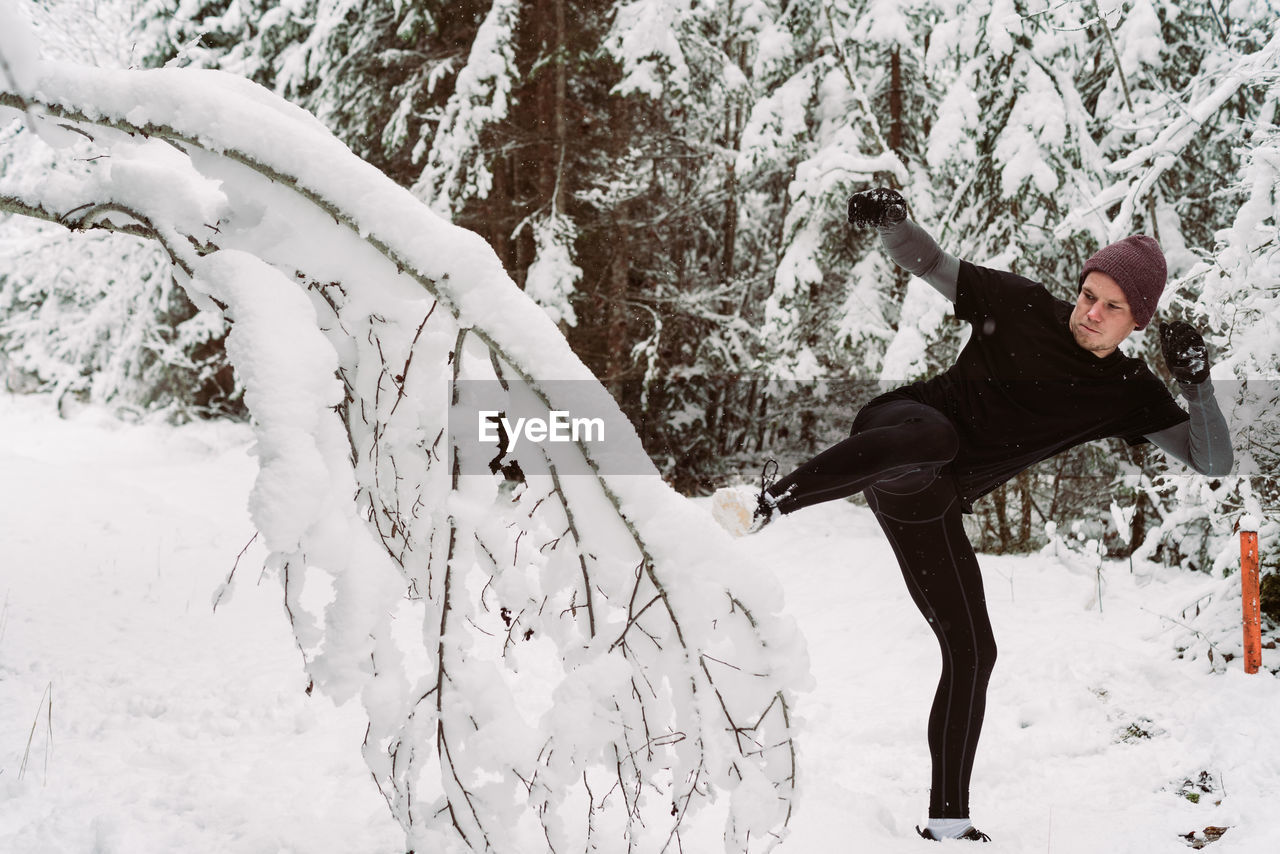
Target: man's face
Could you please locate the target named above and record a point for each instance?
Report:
(1101, 319)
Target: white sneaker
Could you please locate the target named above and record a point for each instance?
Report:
(732, 506)
(739, 510)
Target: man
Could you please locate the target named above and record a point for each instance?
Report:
(1037, 376)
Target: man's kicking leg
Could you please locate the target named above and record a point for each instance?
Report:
(889, 440)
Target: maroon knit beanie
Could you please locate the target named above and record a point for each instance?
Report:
(1137, 265)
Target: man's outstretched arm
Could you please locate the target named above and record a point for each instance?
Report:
(909, 245)
(913, 249)
(1204, 443)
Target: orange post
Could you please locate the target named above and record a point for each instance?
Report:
(1252, 614)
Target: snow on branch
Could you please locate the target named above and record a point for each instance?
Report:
(1179, 132)
(645, 41)
(554, 650)
(1143, 167)
(455, 170)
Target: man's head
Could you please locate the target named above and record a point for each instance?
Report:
(1102, 317)
(1119, 290)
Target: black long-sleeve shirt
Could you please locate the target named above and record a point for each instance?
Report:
(1023, 390)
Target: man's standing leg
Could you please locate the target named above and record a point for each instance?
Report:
(926, 532)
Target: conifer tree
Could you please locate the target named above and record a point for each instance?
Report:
(99, 319)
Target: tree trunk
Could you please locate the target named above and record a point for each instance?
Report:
(615, 309)
(732, 140)
(559, 122)
(1024, 499)
(552, 87)
(730, 222)
(895, 102)
(1000, 498)
(500, 204)
(619, 271)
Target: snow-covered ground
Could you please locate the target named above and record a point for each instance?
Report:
(174, 728)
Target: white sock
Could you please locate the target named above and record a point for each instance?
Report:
(948, 828)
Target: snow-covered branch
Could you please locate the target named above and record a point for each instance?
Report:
(352, 307)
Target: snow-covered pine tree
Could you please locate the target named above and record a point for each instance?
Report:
(814, 137)
(1196, 108)
(821, 301)
(100, 318)
(924, 340)
(700, 241)
(465, 101)
(1011, 148)
(377, 72)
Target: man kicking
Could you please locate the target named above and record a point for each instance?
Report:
(1038, 375)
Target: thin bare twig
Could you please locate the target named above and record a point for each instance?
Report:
(231, 575)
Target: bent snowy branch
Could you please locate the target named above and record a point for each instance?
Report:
(1143, 167)
(474, 612)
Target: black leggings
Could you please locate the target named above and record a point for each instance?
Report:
(895, 455)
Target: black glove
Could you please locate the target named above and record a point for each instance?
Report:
(881, 206)
(1184, 352)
